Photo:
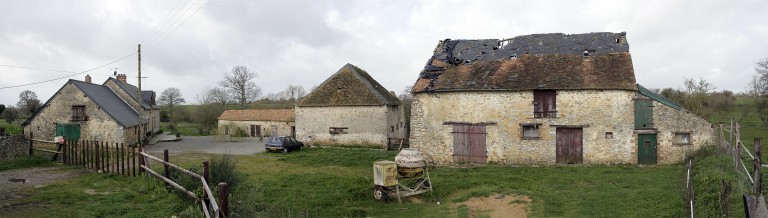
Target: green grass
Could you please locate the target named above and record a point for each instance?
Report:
(26, 162)
(100, 195)
(12, 128)
(337, 182)
(714, 180)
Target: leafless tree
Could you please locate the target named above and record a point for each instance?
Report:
(28, 102)
(294, 93)
(759, 89)
(170, 98)
(239, 83)
(697, 93)
(215, 95)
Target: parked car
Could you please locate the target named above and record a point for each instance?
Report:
(283, 144)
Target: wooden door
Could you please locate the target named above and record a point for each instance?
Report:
(646, 149)
(469, 144)
(257, 129)
(569, 145)
(253, 130)
(293, 131)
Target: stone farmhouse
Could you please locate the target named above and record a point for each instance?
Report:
(107, 112)
(350, 107)
(258, 123)
(546, 99)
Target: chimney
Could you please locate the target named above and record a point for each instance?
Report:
(121, 77)
(88, 78)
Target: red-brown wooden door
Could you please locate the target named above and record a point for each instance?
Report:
(569, 145)
(469, 144)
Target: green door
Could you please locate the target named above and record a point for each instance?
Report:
(646, 149)
(643, 114)
(69, 131)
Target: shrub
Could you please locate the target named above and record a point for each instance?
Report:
(248, 201)
(223, 170)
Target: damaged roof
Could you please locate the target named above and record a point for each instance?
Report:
(286, 115)
(529, 62)
(350, 86)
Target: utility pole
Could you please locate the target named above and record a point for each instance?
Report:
(139, 100)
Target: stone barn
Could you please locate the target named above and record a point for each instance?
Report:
(82, 110)
(350, 107)
(258, 123)
(546, 99)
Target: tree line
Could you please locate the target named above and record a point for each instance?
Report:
(237, 90)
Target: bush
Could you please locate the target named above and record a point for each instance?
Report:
(223, 170)
(248, 202)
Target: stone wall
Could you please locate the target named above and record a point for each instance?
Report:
(396, 122)
(13, 146)
(99, 127)
(597, 112)
(367, 125)
(667, 120)
(282, 128)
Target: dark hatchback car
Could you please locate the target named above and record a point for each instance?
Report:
(283, 144)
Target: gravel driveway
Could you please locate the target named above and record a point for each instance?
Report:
(210, 145)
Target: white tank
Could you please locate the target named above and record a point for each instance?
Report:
(409, 162)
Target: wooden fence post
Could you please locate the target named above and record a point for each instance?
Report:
(141, 159)
(64, 158)
(133, 161)
(166, 173)
(758, 155)
(30, 144)
(224, 199)
(97, 155)
(122, 158)
(206, 173)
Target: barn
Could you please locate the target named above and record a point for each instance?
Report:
(546, 99)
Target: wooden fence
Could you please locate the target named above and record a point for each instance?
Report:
(211, 208)
(121, 159)
(735, 147)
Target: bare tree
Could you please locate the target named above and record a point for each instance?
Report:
(238, 81)
(215, 95)
(294, 93)
(759, 89)
(406, 100)
(697, 93)
(171, 97)
(28, 102)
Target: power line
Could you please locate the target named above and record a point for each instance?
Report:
(67, 76)
(33, 68)
(152, 46)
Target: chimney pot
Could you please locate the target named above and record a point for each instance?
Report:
(121, 78)
(88, 78)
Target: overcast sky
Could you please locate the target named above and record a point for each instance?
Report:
(190, 44)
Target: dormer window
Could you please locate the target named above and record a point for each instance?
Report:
(544, 104)
(78, 113)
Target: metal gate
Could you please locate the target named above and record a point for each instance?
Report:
(646, 149)
(469, 143)
(569, 145)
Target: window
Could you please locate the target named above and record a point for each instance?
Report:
(337, 130)
(530, 130)
(78, 113)
(682, 138)
(544, 104)
(608, 135)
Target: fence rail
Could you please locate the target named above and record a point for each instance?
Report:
(207, 200)
(734, 145)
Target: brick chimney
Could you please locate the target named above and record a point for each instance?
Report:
(88, 78)
(121, 77)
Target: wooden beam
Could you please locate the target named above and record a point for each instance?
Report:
(170, 182)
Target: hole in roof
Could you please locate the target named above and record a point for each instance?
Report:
(468, 61)
(618, 40)
(513, 56)
(585, 53)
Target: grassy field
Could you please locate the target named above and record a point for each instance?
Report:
(26, 162)
(183, 128)
(14, 128)
(337, 182)
(99, 195)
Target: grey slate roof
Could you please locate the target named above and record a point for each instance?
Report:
(110, 102)
(132, 91)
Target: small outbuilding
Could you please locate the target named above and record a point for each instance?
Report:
(257, 122)
(350, 108)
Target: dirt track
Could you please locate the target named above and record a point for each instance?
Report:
(209, 145)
